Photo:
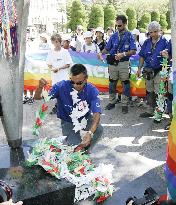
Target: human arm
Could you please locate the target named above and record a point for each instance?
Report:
(55, 70)
(99, 55)
(131, 50)
(88, 135)
(106, 49)
(119, 56)
(96, 110)
(38, 92)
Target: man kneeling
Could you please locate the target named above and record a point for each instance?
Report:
(76, 99)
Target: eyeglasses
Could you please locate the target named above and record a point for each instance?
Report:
(119, 26)
(78, 83)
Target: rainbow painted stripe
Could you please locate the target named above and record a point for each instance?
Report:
(170, 168)
(97, 72)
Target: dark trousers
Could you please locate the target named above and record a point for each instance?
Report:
(75, 138)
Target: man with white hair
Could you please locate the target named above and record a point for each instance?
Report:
(150, 61)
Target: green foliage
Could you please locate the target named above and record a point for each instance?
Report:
(96, 17)
(168, 19)
(132, 21)
(76, 15)
(145, 20)
(131, 13)
(163, 21)
(155, 16)
(109, 16)
(143, 30)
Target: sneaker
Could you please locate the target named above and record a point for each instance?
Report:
(31, 101)
(145, 115)
(109, 106)
(25, 100)
(124, 109)
(53, 111)
(167, 126)
(118, 101)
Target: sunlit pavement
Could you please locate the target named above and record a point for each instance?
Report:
(136, 148)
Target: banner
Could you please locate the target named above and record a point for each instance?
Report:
(36, 67)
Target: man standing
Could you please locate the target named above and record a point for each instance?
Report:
(76, 99)
(120, 47)
(150, 59)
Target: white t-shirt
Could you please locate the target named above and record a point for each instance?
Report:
(93, 48)
(58, 59)
(77, 42)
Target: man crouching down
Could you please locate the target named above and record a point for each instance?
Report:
(76, 100)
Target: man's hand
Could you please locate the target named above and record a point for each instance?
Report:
(164, 54)
(10, 202)
(42, 83)
(99, 55)
(119, 56)
(86, 140)
(78, 50)
(55, 70)
(139, 73)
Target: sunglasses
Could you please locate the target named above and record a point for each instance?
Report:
(78, 83)
(119, 26)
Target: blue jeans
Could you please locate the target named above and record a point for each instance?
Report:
(75, 138)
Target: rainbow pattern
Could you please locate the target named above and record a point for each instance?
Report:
(98, 72)
(170, 168)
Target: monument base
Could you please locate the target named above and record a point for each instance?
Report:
(32, 185)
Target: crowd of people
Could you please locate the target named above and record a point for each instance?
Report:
(119, 46)
(77, 99)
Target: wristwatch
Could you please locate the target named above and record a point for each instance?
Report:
(124, 54)
(91, 133)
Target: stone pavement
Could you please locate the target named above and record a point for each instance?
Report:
(136, 147)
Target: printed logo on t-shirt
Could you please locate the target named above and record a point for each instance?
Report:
(97, 105)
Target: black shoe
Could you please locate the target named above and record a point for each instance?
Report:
(25, 100)
(145, 115)
(109, 106)
(167, 126)
(118, 101)
(124, 109)
(31, 101)
(53, 111)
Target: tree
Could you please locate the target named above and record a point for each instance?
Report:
(145, 20)
(109, 16)
(132, 21)
(96, 17)
(12, 76)
(155, 16)
(168, 19)
(76, 15)
(163, 21)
